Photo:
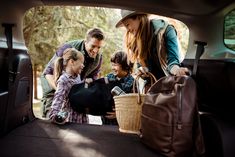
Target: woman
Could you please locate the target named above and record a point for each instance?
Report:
(152, 44)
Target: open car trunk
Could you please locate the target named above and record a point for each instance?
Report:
(24, 135)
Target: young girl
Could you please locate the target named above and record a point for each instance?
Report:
(67, 73)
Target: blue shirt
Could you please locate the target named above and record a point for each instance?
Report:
(126, 82)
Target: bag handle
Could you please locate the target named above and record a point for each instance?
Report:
(148, 74)
(136, 84)
(152, 77)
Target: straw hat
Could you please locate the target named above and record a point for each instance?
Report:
(125, 14)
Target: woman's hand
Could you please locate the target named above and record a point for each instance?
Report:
(182, 71)
(142, 72)
(178, 71)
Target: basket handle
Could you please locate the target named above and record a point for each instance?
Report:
(136, 84)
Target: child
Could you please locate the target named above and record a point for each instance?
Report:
(121, 72)
(67, 73)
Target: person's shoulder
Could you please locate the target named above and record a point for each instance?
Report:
(74, 42)
(64, 77)
(129, 76)
(158, 23)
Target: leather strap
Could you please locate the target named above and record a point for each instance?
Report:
(200, 50)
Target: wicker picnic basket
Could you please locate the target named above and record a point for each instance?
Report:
(128, 109)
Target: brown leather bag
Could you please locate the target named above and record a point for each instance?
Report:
(170, 120)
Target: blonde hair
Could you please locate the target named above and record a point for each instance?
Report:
(139, 46)
(61, 62)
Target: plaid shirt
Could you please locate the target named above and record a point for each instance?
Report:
(61, 101)
(126, 82)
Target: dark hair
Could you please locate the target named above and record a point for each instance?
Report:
(95, 33)
(120, 57)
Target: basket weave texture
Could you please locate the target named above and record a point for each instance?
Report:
(128, 108)
(128, 112)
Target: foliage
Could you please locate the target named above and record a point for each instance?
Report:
(46, 28)
(230, 29)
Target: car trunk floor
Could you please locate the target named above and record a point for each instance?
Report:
(41, 138)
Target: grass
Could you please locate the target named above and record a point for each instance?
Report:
(36, 109)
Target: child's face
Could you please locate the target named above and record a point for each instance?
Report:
(117, 70)
(78, 65)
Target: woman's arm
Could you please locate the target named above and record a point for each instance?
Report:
(173, 54)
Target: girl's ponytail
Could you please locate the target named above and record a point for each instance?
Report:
(59, 66)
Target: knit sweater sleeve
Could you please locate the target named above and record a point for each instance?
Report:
(172, 47)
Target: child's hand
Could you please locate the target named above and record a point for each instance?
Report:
(88, 80)
(111, 115)
(142, 72)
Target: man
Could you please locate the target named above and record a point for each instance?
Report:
(93, 58)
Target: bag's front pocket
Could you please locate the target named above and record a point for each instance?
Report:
(156, 134)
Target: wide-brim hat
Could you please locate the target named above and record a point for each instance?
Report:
(125, 14)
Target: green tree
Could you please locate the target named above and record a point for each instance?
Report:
(229, 29)
(46, 28)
